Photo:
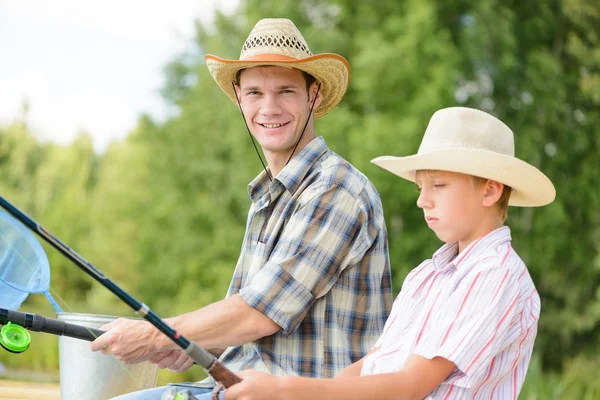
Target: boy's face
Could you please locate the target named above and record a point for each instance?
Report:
(454, 207)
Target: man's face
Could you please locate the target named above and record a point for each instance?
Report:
(276, 104)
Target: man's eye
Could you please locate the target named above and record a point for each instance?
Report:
(252, 93)
(439, 185)
(287, 91)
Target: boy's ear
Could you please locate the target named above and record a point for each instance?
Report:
(492, 193)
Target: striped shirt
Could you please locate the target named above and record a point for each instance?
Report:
(315, 260)
(478, 309)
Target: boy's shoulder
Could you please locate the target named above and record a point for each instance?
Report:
(501, 261)
(486, 258)
(493, 250)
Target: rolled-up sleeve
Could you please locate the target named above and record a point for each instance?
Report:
(325, 235)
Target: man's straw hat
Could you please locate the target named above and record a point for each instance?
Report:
(277, 42)
(475, 143)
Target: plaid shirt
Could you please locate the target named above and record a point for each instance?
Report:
(314, 260)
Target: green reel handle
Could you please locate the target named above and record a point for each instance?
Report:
(14, 338)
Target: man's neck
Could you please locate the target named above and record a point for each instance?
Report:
(278, 161)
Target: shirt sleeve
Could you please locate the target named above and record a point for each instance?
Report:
(472, 327)
(319, 241)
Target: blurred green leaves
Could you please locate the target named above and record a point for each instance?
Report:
(163, 212)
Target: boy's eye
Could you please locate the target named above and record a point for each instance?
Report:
(439, 185)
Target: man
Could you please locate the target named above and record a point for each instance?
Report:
(312, 287)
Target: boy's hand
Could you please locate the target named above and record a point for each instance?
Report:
(254, 386)
(418, 378)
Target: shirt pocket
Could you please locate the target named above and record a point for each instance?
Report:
(259, 257)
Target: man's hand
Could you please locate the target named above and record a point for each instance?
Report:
(254, 386)
(129, 340)
(174, 360)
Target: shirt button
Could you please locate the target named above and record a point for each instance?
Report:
(255, 243)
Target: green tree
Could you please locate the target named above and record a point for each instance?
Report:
(163, 212)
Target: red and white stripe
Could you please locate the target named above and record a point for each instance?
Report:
(478, 309)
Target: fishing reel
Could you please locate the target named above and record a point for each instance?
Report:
(14, 338)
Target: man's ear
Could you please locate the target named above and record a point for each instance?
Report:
(312, 92)
(492, 191)
(238, 91)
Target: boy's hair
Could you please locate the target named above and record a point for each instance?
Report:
(504, 197)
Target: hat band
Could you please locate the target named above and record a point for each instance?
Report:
(270, 57)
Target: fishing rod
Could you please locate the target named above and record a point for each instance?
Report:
(15, 338)
(207, 361)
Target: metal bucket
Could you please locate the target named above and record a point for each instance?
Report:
(95, 376)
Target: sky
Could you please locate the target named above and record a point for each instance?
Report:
(91, 66)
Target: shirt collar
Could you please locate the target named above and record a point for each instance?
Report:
(447, 255)
(292, 174)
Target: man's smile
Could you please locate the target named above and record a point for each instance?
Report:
(273, 126)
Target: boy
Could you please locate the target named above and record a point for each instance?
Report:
(464, 323)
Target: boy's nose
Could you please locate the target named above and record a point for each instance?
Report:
(424, 200)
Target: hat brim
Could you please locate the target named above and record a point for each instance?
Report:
(331, 70)
(531, 187)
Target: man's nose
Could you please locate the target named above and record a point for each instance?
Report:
(270, 105)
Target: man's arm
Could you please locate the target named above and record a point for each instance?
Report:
(327, 230)
(229, 322)
(419, 377)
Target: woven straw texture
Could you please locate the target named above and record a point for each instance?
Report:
(277, 42)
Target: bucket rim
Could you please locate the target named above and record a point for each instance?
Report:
(71, 316)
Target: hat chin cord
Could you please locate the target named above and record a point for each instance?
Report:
(252, 138)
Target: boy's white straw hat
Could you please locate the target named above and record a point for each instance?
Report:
(473, 142)
(277, 42)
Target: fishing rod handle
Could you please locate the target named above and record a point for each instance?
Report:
(223, 375)
(39, 323)
(211, 365)
(71, 330)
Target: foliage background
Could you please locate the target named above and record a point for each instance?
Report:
(163, 212)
